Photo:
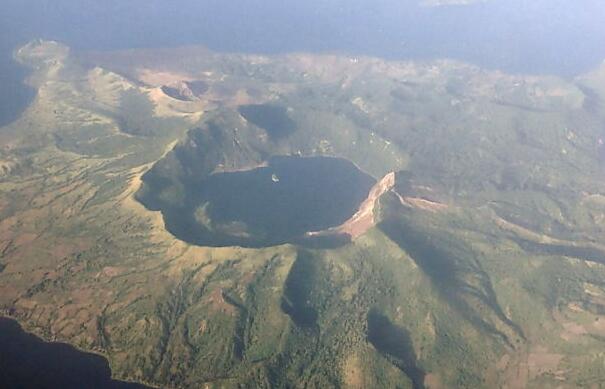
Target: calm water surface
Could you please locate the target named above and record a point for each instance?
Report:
(26, 361)
(270, 205)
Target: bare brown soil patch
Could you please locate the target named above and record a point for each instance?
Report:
(424, 204)
(540, 361)
(353, 373)
(432, 381)
(217, 302)
(516, 371)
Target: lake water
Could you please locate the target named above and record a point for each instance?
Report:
(270, 205)
(540, 36)
(26, 362)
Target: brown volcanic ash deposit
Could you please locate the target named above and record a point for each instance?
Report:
(363, 219)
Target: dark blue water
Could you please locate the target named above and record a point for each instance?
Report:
(540, 36)
(269, 205)
(28, 362)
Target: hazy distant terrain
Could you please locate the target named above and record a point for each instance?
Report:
(473, 257)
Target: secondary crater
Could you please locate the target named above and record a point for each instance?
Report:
(272, 118)
(264, 206)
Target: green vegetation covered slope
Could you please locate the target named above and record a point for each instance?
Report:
(484, 265)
